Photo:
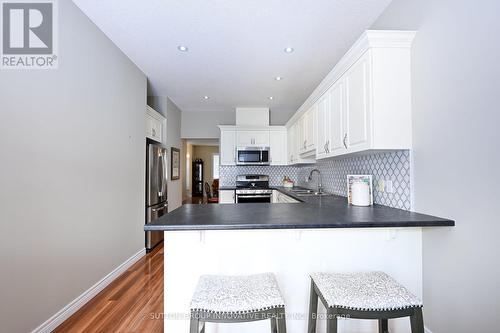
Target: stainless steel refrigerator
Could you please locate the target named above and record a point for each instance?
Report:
(156, 190)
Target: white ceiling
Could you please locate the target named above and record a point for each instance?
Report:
(235, 46)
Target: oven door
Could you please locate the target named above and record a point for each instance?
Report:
(252, 156)
(253, 198)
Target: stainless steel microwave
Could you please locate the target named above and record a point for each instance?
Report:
(252, 156)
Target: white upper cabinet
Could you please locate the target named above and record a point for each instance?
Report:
(311, 129)
(294, 144)
(252, 138)
(336, 121)
(307, 132)
(156, 125)
(323, 125)
(357, 133)
(364, 103)
(291, 138)
(274, 137)
(227, 147)
(278, 146)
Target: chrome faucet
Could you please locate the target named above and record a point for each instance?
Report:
(320, 182)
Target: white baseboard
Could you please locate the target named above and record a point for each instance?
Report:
(66, 312)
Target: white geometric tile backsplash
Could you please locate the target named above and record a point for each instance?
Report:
(394, 166)
(228, 173)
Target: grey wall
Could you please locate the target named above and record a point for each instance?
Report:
(456, 78)
(71, 173)
(165, 106)
(204, 125)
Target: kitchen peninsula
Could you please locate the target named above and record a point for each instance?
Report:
(292, 241)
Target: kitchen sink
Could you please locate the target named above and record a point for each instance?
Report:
(302, 192)
(313, 194)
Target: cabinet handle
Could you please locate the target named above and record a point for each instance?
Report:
(345, 139)
(153, 131)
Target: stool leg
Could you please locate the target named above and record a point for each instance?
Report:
(331, 321)
(313, 309)
(383, 326)
(281, 322)
(274, 328)
(194, 325)
(417, 321)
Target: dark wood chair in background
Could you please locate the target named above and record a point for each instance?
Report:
(215, 188)
(208, 192)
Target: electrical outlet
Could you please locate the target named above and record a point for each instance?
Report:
(388, 186)
(381, 185)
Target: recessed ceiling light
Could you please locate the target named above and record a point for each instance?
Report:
(271, 98)
(206, 97)
(289, 50)
(278, 78)
(182, 48)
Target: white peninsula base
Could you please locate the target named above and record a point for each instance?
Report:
(291, 255)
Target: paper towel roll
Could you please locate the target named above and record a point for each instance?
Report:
(360, 192)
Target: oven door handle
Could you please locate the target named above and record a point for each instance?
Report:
(254, 196)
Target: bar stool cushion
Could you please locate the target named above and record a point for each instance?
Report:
(237, 294)
(364, 291)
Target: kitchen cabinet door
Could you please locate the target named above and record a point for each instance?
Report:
(357, 83)
(155, 125)
(244, 138)
(278, 147)
(227, 147)
(336, 121)
(253, 138)
(261, 138)
(310, 128)
(292, 136)
(227, 197)
(323, 125)
(301, 134)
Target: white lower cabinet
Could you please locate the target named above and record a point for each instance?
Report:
(227, 197)
(279, 197)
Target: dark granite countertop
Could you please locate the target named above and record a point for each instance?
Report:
(312, 212)
(227, 188)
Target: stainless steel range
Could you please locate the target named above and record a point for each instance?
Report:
(253, 189)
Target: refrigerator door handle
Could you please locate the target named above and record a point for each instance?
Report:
(164, 174)
(160, 175)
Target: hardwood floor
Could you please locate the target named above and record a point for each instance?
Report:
(131, 303)
(195, 200)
